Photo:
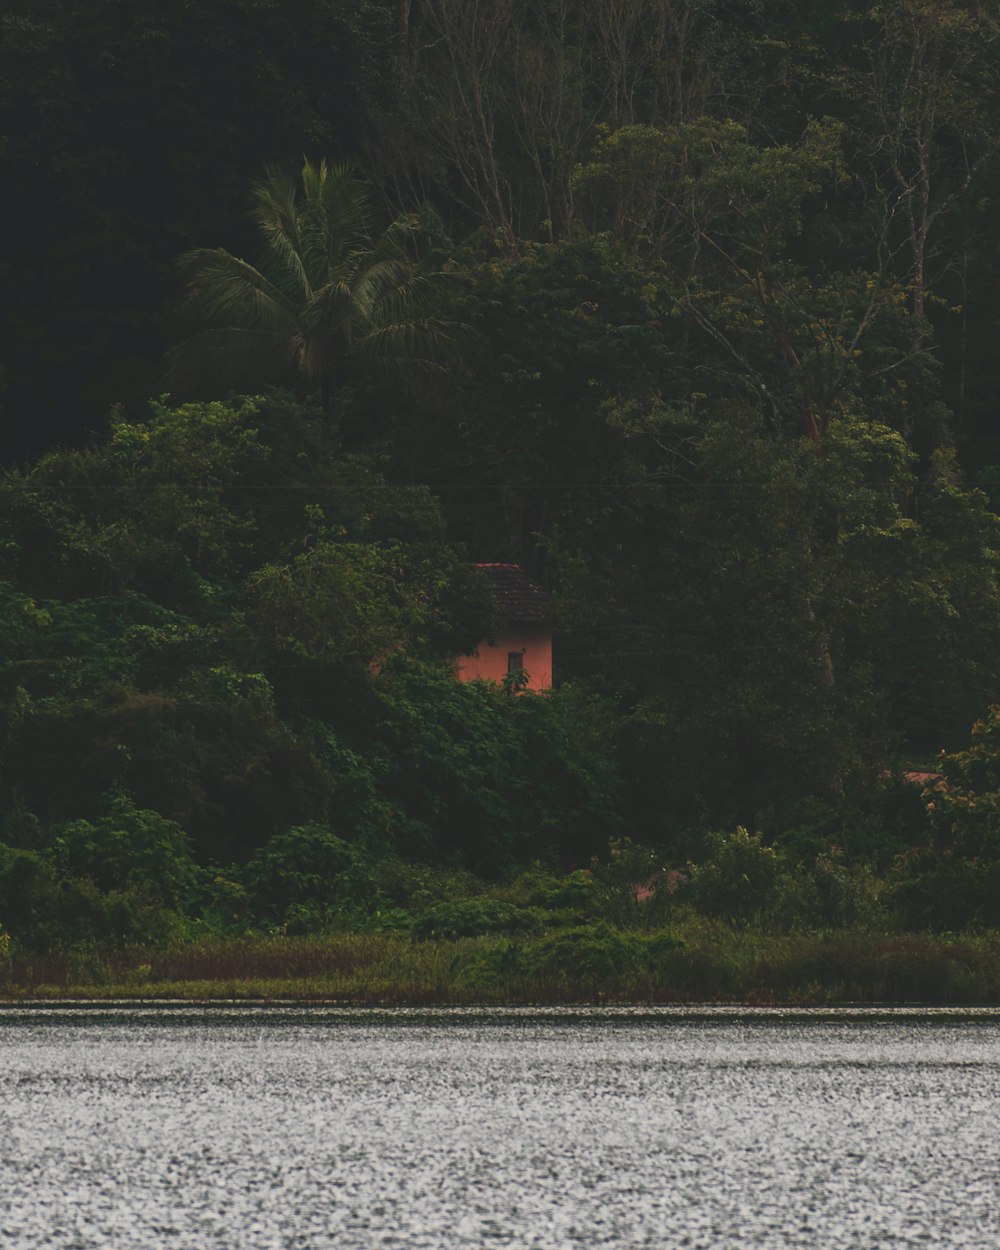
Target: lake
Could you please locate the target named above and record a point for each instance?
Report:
(167, 1127)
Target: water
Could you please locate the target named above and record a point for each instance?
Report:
(184, 1128)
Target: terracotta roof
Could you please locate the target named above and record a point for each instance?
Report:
(914, 776)
(517, 597)
(919, 778)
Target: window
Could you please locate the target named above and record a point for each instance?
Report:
(515, 661)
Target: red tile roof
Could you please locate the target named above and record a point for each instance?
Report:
(918, 778)
(517, 597)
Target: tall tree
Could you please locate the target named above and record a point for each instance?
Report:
(129, 132)
(926, 92)
(724, 214)
(500, 101)
(323, 296)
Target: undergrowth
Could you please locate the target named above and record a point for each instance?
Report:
(697, 962)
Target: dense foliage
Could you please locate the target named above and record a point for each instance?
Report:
(684, 305)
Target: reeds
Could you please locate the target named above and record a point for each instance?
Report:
(697, 963)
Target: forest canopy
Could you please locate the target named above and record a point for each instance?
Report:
(685, 306)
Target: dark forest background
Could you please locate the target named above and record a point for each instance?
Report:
(688, 306)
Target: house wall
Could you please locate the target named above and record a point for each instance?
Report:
(489, 661)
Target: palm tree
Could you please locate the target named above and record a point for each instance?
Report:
(324, 293)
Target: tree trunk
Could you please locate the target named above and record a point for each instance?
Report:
(403, 9)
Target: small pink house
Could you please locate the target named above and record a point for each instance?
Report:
(523, 642)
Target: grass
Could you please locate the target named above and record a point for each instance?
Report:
(705, 963)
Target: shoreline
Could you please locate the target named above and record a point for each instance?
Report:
(624, 1012)
(690, 965)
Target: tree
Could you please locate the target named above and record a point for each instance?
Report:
(953, 881)
(182, 621)
(773, 621)
(926, 94)
(724, 214)
(964, 801)
(740, 881)
(560, 330)
(324, 296)
(129, 133)
(499, 101)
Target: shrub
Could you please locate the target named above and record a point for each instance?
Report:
(931, 889)
(223, 905)
(964, 803)
(310, 878)
(418, 886)
(633, 885)
(586, 954)
(129, 849)
(474, 917)
(28, 889)
(740, 882)
(45, 911)
(577, 961)
(570, 899)
(830, 894)
(492, 968)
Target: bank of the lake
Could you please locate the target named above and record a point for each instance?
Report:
(597, 965)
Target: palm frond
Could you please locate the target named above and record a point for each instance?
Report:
(335, 213)
(375, 283)
(226, 290)
(331, 311)
(322, 293)
(396, 237)
(411, 297)
(425, 345)
(275, 204)
(416, 356)
(276, 211)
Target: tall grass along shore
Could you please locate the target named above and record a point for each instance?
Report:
(699, 963)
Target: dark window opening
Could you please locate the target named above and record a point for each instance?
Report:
(515, 661)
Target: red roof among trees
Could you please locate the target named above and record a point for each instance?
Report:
(517, 597)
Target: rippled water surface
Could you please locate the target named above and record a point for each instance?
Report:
(250, 1128)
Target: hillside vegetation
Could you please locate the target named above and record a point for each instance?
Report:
(686, 306)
